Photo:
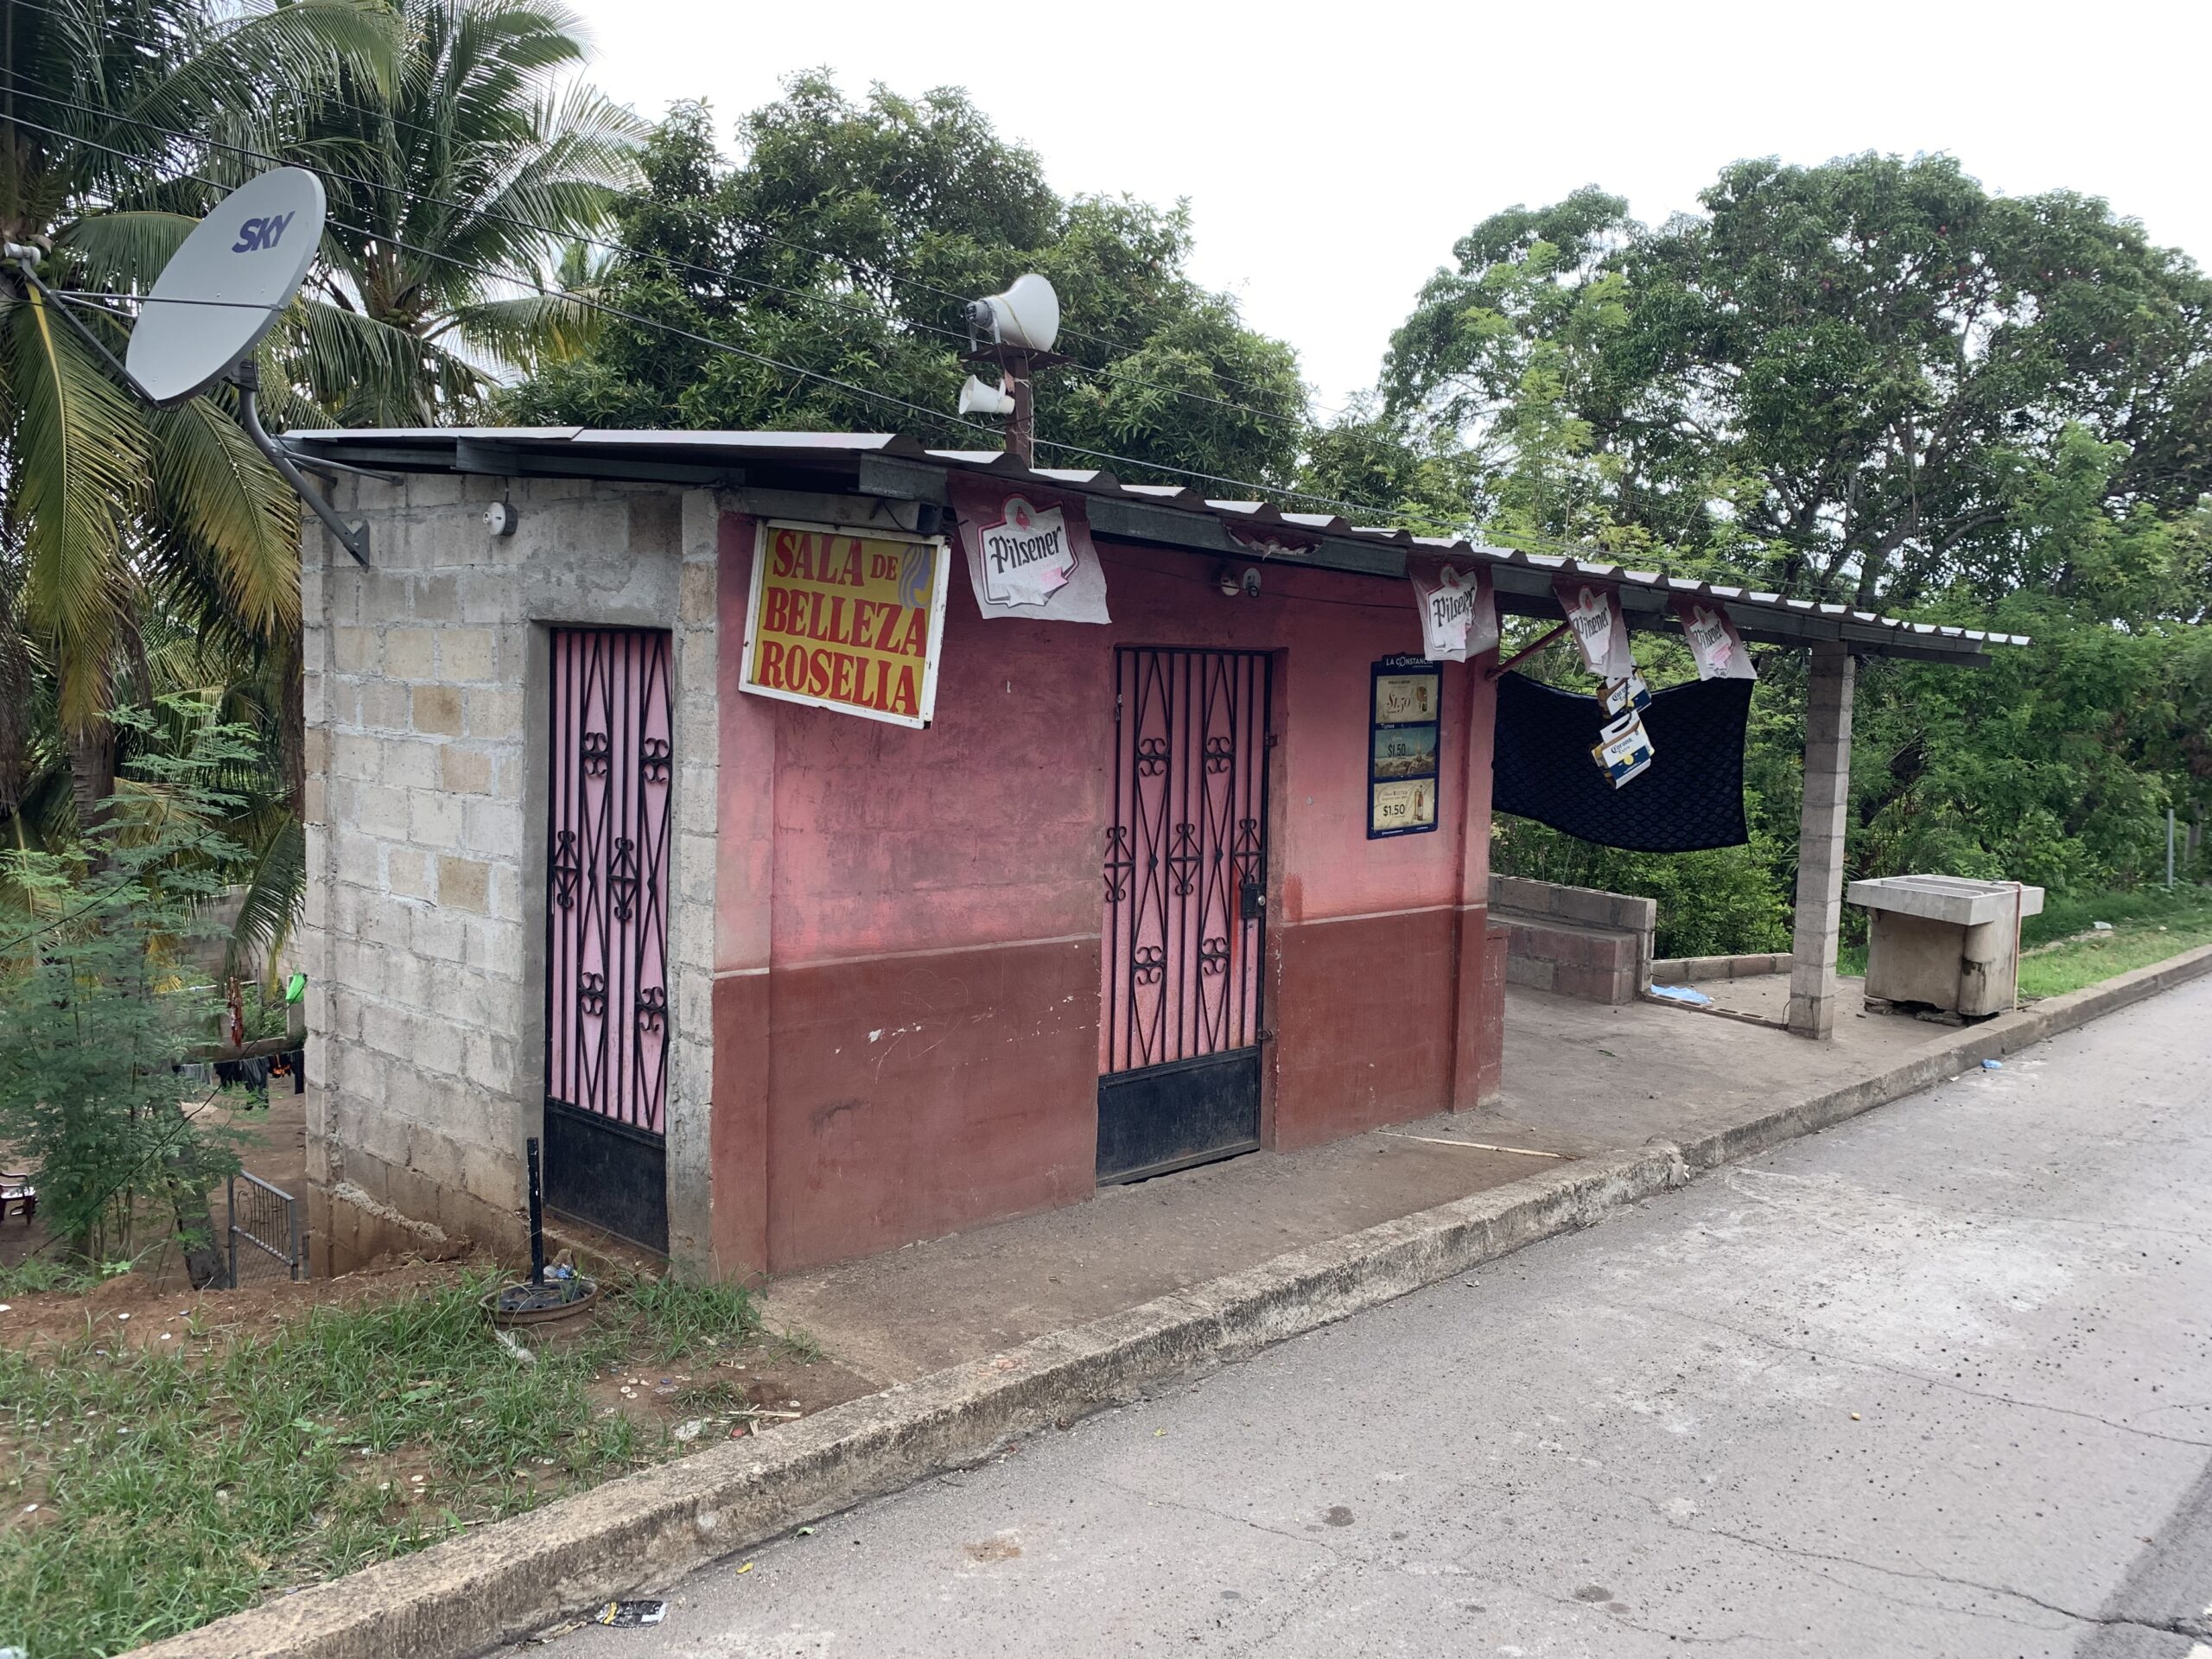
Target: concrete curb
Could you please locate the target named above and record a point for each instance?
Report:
(474, 1593)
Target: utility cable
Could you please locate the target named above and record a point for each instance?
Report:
(811, 296)
(639, 319)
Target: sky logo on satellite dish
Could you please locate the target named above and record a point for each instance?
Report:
(258, 233)
(209, 308)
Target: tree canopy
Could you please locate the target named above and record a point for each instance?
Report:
(1875, 382)
(844, 242)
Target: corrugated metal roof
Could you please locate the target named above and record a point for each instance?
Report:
(890, 464)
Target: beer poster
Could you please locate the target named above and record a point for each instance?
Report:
(850, 621)
(1405, 717)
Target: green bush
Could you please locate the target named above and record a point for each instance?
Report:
(98, 1003)
(1722, 902)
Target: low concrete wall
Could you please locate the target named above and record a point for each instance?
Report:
(1688, 970)
(1575, 942)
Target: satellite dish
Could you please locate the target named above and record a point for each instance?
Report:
(220, 293)
(1026, 317)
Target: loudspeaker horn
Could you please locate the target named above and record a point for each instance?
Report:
(1026, 317)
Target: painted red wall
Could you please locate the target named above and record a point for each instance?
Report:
(933, 905)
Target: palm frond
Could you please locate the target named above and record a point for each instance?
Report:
(77, 466)
(211, 484)
(276, 892)
(123, 251)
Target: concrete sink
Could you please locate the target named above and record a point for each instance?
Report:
(1944, 941)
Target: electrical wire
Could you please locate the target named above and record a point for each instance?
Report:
(676, 331)
(14, 84)
(558, 293)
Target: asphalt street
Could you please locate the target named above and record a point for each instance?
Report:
(1937, 1381)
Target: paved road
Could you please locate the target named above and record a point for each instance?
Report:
(1937, 1383)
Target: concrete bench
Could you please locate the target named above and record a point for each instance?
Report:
(1573, 940)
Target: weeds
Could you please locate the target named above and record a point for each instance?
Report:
(173, 1489)
(42, 1272)
(2148, 926)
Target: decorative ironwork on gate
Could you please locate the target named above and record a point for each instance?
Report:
(607, 887)
(1185, 862)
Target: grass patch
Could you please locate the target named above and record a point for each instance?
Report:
(42, 1271)
(172, 1490)
(2148, 925)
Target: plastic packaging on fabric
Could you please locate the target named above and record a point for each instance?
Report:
(1623, 750)
(1692, 798)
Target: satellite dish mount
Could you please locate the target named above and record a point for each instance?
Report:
(214, 301)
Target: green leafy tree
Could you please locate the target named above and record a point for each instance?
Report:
(112, 111)
(1874, 382)
(99, 1000)
(845, 243)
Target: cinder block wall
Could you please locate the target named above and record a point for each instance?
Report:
(1574, 941)
(424, 937)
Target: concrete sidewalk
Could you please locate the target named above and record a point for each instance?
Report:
(1692, 1093)
(1580, 1078)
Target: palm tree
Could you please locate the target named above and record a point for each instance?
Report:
(479, 159)
(119, 121)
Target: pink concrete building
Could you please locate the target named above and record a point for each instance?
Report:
(627, 832)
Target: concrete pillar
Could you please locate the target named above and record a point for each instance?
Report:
(1478, 1013)
(1820, 840)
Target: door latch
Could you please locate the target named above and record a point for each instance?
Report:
(1252, 901)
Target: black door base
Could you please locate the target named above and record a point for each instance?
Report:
(1170, 1117)
(607, 1174)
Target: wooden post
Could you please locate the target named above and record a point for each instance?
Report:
(1820, 840)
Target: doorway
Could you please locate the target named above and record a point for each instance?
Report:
(1184, 970)
(611, 763)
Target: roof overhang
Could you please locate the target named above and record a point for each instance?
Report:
(887, 465)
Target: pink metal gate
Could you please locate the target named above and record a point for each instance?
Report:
(1185, 880)
(611, 763)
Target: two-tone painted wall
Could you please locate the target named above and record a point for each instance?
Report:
(907, 971)
(883, 944)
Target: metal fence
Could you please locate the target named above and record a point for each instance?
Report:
(266, 1219)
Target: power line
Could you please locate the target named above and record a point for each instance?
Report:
(558, 293)
(676, 331)
(765, 235)
(811, 295)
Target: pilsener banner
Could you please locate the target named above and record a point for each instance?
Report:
(1029, 553)
(847, 619)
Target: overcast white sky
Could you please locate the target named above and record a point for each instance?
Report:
(1333, 153)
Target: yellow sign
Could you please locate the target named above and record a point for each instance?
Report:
(847, 619)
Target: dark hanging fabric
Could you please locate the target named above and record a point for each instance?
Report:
(1692, 797)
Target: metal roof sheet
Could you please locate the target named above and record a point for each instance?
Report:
(1173, 514)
